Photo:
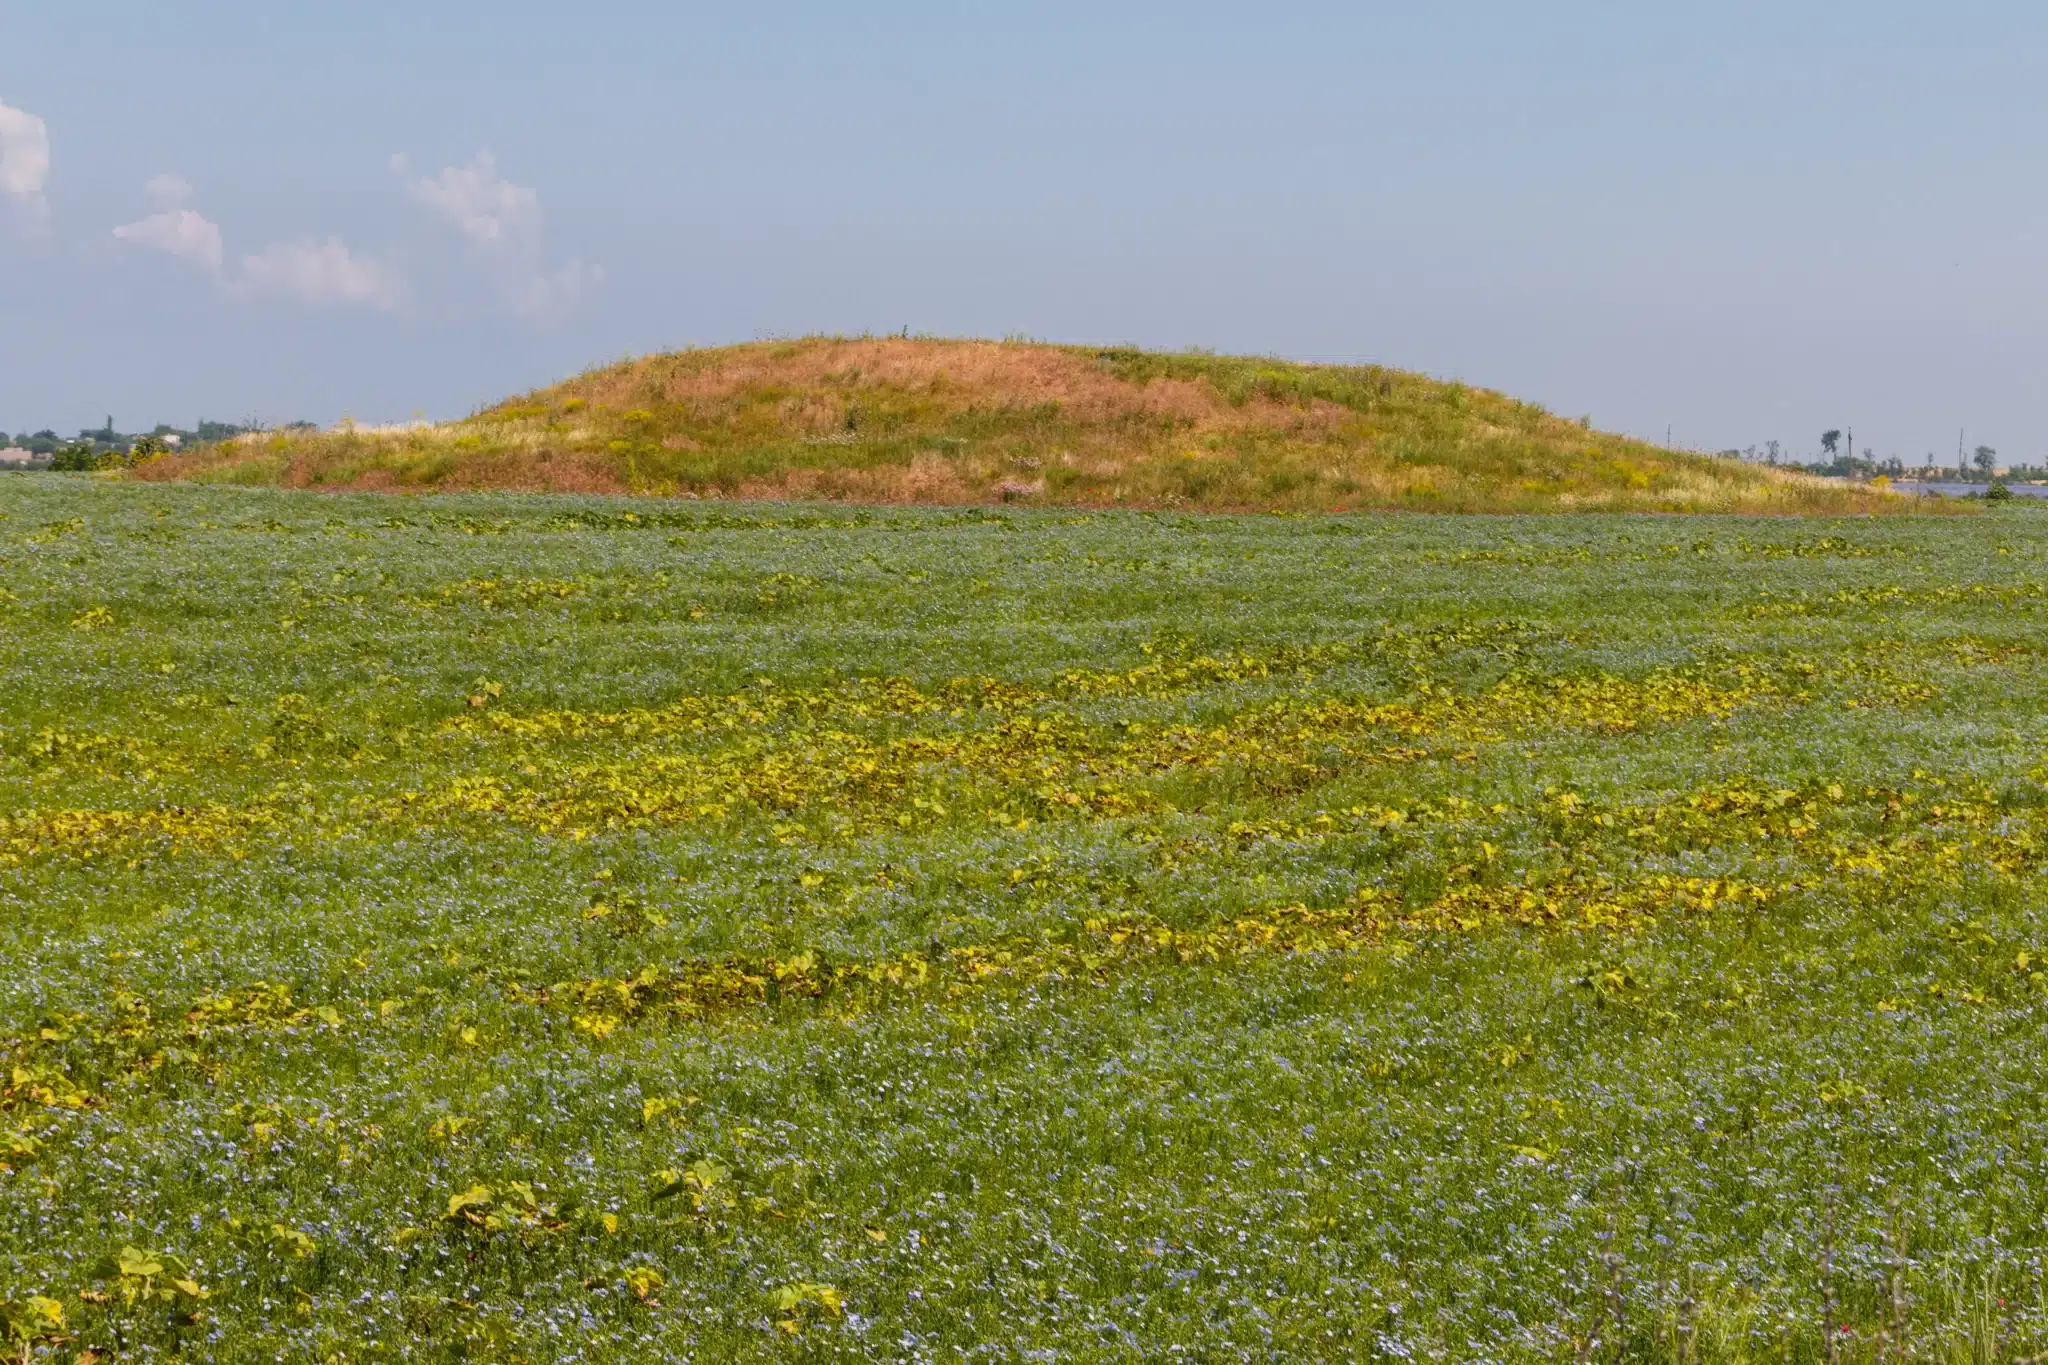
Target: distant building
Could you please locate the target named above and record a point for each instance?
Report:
(16, 455)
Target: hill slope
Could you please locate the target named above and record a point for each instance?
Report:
(899, 420)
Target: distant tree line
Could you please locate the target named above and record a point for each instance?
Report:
(1839, 462)
(104, 447)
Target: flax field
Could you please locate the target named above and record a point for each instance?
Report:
(544, 928)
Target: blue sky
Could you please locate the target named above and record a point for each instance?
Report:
(1745, 221)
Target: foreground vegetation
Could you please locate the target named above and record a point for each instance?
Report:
(524, 928)
(894, 420)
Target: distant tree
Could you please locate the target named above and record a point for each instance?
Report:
(1986, 460)
(1773, 447)
(75, 457)
(1831, 441)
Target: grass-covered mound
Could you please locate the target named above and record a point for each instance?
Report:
(918, 421)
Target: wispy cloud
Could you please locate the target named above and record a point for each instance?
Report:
(502, 224)
(175, 230)
(499, 223)
(491, 211)
(167, 190)
(24, 163)
(536, 295)
(324, 273)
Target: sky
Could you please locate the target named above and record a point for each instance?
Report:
(1736, 222)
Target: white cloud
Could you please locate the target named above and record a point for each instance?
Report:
(24, 161)
(323, 273)
(502, 223)
(177, 232)
(167, 190)
(488, 209)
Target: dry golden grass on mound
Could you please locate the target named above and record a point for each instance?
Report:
(894, 420)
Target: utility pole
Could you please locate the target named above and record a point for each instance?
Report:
(1961, 473)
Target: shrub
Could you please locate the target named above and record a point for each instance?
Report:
(145, 450)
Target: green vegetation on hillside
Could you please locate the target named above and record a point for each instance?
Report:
(549, 928)
(914, 421)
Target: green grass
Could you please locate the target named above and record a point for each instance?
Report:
(534, 928)
(894, 420)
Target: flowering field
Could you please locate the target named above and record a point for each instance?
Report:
(537, 928)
